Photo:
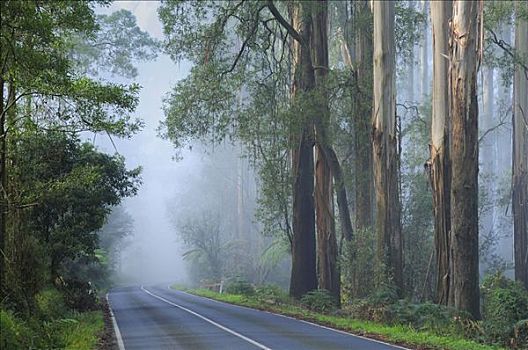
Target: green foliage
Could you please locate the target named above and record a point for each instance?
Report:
(36, 37)
(499, 48)
(240, 286)
(82, 331)
(409, 25)
(75, 185)
(114, 47)
(319, 300)
(50, 304)
(417, 211)
(505, 304)
(14, 333)
(400, 334)
(357, 263)
(70, 331)
(80, 295)
(520, 334)
(271, 294)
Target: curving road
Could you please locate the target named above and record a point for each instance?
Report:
(151, 318)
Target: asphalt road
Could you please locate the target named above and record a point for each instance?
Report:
(151, 318)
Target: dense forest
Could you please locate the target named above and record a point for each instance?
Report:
(361, 159)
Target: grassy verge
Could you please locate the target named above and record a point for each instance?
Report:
(77, 331)
(398, 334)
(84, 333)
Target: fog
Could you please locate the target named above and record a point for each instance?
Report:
(154, 254)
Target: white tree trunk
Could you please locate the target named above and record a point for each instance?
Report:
(385, 146)
(439, 163)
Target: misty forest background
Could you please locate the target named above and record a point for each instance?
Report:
(370, 158)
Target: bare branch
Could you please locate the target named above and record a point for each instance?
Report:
(509, 50)
(285, 23)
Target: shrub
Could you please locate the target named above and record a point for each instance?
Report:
(50, 304)
(319, 300)
(79, 295)
(272, 294)
(14, 334)
(357, 263)
(520, 334)
(505, 304)
(240, 286)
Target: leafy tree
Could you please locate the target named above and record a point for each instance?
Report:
(68, 189)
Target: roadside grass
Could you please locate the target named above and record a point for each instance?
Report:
(84, 333)
(74, 331)
(397, 334)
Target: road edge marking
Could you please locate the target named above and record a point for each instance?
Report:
(224, 328)
(296, 319)
(117, 332)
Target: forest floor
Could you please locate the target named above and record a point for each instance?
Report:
(395, 334)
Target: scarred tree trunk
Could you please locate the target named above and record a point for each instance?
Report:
(439, 162)
(303, 273)
(520, 154)
(464, 155)
(385, 146)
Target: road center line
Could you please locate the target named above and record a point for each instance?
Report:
(236, 334)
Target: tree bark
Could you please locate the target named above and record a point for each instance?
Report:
(328, 272)
(464, 155)
(303, 273)
(424, 57)
(3, 182)
(439, 162)
(363, 110)
(385, 145)
(520, 154)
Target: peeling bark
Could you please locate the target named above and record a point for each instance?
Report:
(439, 162)
(385, 144)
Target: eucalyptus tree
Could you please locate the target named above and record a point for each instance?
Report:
(283, 114)
(439, 166)
(385, 145)
(463, 138)
(520, 146)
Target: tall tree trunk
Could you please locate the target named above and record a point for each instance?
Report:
(303, 273)
(424, 57)
(488, 155)
(363, 110)
(3, 183)
(385, 144)
(464, 155)
(328, 272)
(440, 178)
(520, 154)
(411, 65)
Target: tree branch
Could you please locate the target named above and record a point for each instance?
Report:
(275, 12)
(508, 49)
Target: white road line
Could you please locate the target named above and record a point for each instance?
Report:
(249, 340)
(120, 343)
(296, 319)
